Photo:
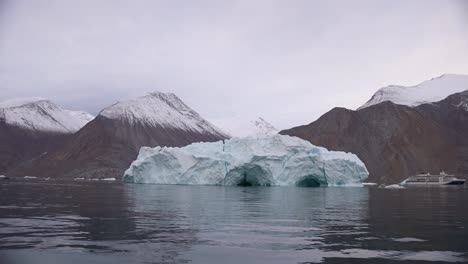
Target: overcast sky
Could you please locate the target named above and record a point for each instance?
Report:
(288, 61)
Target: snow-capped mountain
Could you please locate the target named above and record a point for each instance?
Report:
(433, 90)
(15, 102)
(81, 116)
(396, 141)
(30, 127)
(242, 127)
(107, 145)
(39, 114)
(159, 109)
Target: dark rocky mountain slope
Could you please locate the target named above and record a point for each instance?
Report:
(30, 127)
(396, 141)
(19, 145)
(106, 146)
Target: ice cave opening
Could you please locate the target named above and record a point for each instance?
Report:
(310, 181)
(248, 175)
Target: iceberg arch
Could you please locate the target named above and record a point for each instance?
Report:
(310, 181)
(252, 161)
(248, 175)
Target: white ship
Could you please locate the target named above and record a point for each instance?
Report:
(430, 179)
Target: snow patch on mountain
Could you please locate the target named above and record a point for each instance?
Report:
(463, 104)
(266, 161)
(39, 114)
(243, 126)
(81, 116)
(429, 91)
(160, 109)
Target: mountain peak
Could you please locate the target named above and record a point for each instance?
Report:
(161, 94)
(17, 102)
(41, 114)
(159, 109)
(450, 75)
(238, 126)
(263, 127)
(429, 91)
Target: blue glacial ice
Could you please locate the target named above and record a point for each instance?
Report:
(252, 161)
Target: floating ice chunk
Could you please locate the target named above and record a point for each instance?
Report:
(30, 177)
(392, 186)
(262, 161)
(108, 179)
(408, 239)
(436, 256)
(369, 184)
(367, 238)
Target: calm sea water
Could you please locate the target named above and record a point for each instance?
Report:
(83, 222)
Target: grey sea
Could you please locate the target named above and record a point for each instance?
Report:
(110, 222)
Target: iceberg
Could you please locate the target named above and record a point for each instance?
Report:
(275, 160)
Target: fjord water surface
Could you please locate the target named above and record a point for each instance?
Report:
(84, 222)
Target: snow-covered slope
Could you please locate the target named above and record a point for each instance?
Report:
(243, 127)
(39, 114)
(429, 91)
(160, 109)
(266, 161)
(81, 116)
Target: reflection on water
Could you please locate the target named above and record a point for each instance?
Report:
(114, 223)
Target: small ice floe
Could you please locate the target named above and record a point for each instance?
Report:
(367, 238)
(108, 179)
(436, 256)
(408, 239)
(2, 176)
(46, 179)
(394, 186)
(79, 179)
(369, 184)
(391, 186)
(30, 177)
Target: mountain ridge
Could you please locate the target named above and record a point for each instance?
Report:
(30, 127)
(40, 114)
(107, 145)
(433, 90)
(396, 140)
(171, 111)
